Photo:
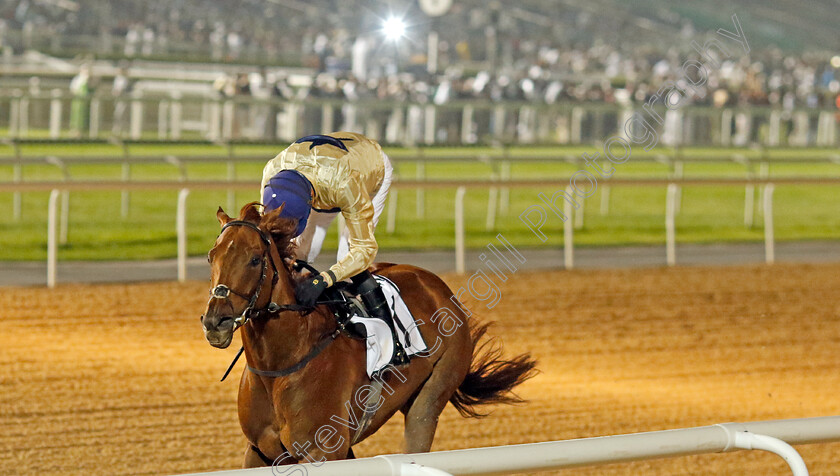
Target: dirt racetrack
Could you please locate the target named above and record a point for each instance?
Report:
(118, 379)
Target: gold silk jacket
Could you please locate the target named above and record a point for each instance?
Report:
(345, 181)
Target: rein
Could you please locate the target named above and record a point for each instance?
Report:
(222, 291)
(325, 341)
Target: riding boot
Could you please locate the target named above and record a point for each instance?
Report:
(377, 306)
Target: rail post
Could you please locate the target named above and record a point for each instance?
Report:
(64, 228)
(679, 173)
(492, 197)
(55, 114)
(726, 127)
(579, 212)
(575, 128)
(23, 122)
(467, 123)
(670, 226)
(17, 177)
(181, 230)
(52, 239)
(14, 113)
(429, 126)
(769, 240)
(504, 193)
(749, 199)
(136, 115)
(763, 174)
(214, 119)
(176, 113)
(568, 232)
(65, 199)
(163, 118)
(125, 196)
(95, 117)
(460, 251)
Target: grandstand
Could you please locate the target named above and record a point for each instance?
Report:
(684, 154)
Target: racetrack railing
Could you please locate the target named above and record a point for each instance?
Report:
(772, 436)
(500, 164)
(175, 114)
(57, 229)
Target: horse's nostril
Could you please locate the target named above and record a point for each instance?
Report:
(225, 322)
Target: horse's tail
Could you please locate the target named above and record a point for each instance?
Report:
(491, 379)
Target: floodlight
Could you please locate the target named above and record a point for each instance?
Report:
(393, 28)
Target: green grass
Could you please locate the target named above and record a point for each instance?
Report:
(709, 214)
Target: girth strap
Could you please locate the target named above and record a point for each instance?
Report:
(294, 368)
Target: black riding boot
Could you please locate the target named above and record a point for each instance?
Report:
(374, 300)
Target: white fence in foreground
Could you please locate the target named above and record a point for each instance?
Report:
(773, 436)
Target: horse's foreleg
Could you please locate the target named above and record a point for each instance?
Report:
(422, 416)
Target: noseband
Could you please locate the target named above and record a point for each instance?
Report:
(223, 291)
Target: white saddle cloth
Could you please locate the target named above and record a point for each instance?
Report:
(380, 341)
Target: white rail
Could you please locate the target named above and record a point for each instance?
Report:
(500, 163)
(460, 242)
(181, 227)
(773, 436)
(568, 231)
(769, 240)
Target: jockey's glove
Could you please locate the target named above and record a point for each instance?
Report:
(309, 290)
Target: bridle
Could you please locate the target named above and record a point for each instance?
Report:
(223, 291)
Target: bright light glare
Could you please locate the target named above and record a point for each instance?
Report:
(393, 28)
(835, 61)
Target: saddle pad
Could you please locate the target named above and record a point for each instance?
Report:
(380, 342)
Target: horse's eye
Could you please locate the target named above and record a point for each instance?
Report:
(255, 261)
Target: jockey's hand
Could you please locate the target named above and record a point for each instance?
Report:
(310, 289)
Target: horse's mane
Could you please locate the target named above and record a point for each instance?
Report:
(281, 230)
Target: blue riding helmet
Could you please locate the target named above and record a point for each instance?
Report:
(293, 189)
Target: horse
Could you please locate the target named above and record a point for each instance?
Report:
(305, 385)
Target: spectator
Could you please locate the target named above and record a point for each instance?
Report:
(80, 105)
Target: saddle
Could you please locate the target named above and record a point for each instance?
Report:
(341, 302)
(345, 306)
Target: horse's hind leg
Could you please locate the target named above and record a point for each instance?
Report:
(422, 415)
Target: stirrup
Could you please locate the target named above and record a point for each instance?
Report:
(400, 356)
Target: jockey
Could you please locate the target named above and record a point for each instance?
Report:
(317, 178)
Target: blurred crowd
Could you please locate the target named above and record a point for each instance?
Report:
(777, 80)
(482, 54)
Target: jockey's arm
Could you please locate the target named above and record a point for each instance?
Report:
(357, 209)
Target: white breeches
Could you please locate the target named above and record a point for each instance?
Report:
(310, 241)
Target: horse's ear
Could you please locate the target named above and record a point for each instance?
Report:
(251, 212)
(222, 217)
(272, 222)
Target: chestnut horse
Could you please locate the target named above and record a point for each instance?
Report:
(309, 409)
